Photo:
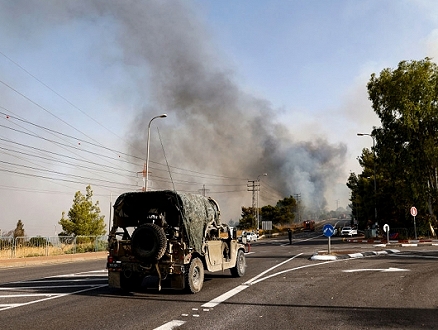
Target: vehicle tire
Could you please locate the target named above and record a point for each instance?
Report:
(195, 276)
(130, 281)
(149, 242)
(240, 268)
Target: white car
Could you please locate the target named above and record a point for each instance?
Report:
(251, 237)
(348, 231)
(248, 237)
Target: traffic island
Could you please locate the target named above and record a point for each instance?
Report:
(348, 254)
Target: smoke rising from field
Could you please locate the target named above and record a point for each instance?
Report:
(213, 125)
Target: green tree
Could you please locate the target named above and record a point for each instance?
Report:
(282, 213)
(286, 209)
(19, 230)
(83, 218)
(247, 219)
(406, 101)
(269, 213)
(362, 193)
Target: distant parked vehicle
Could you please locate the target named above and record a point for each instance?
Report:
(248, 237)
(348, 231)
(251, 237)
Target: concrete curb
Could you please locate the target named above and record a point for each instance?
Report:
(64, 258)
(326, 257)
(384, 241)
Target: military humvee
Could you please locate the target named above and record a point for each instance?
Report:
(170, 236)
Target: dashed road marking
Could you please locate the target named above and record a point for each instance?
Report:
(171, 325)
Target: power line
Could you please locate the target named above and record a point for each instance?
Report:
(56, 179)
(59, 95)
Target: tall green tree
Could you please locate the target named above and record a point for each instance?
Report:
(84, 217)
(269, 213)
(362, 191)
(286, 210)
(247, 220)
(406, 101)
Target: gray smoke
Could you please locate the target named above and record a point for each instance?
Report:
(213, 125)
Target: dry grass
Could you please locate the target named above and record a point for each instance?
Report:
(31, 251)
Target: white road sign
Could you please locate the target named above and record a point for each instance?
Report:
(413, 211)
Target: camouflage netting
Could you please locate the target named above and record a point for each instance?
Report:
(196, 211)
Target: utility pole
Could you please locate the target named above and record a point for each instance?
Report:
(203, 191)
(254, 186)
(258, 208)
(298, 199)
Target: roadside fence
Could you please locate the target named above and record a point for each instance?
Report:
(22, 247)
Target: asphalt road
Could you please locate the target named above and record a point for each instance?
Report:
(282, 289)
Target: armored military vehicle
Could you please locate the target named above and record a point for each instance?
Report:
(172, 237)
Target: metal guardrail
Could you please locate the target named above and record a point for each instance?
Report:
(22, 247)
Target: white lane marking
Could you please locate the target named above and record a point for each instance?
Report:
(48, 296)
(268, 270)
(52, 297)
(216, 301)
(171, 325)
(27, 295)
(298, 240)
(46, 287)
(227, 295)
(7, 306)
(292, 269)
(383, 270)
(48, 280)
(89, 273)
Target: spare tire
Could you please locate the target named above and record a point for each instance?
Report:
(149, 242)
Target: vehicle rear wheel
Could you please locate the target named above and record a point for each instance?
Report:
(195, 276)
(240, 268)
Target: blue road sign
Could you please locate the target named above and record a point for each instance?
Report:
(328, 230)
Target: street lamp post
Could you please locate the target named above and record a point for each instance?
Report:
(375, 188)
(258, 192)
(146, 183)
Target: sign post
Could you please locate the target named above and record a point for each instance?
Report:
(328, 231)
(386, 230)
(414, 213)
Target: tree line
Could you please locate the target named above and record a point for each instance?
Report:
(401, 169)
(283, 213)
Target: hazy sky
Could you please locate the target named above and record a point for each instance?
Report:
(250, 87)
